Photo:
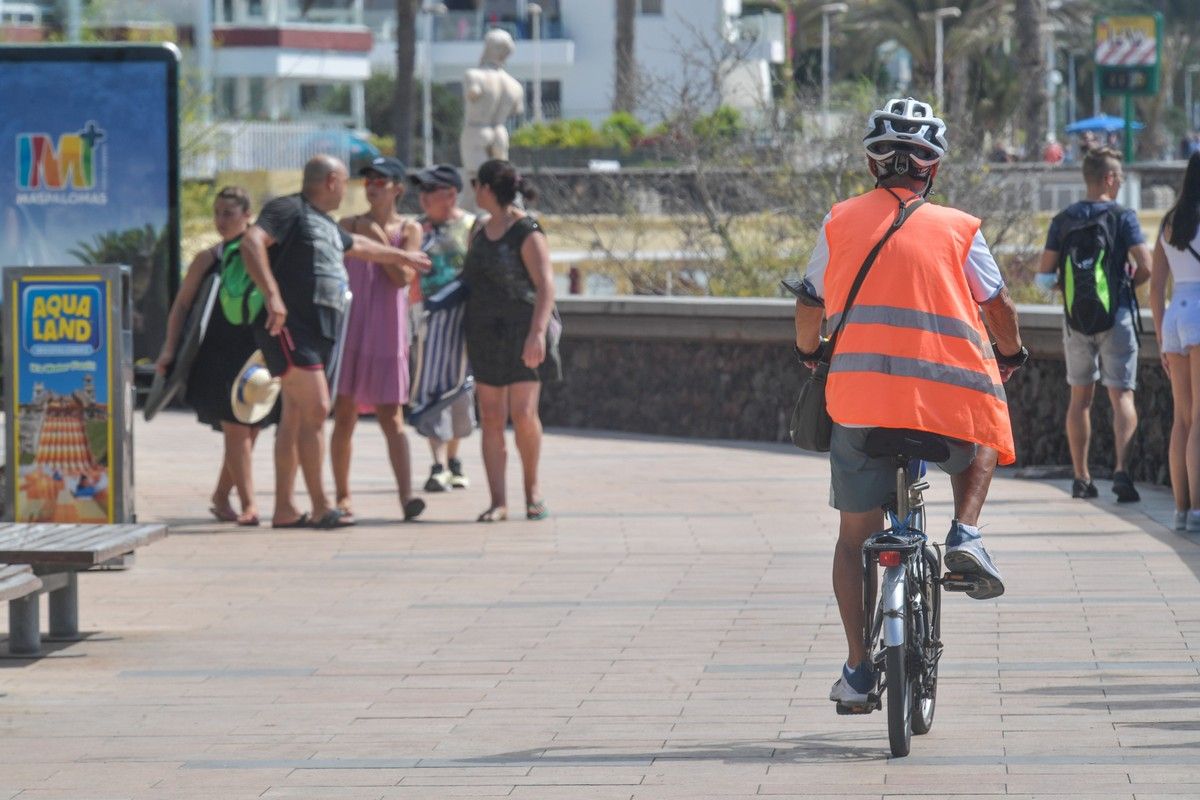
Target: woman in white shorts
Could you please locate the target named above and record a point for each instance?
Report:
(1177, 256)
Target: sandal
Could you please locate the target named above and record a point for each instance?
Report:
(251, 521)
(413, 508)
(493, 514)
(536, 510)
(223, 514)
(347, 515)
(302, 521)
(333, 518)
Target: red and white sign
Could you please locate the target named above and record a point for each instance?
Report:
(1127, 42)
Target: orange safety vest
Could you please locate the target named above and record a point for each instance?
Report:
(914, 352)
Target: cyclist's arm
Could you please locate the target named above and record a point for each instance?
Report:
(1000, 314)
(810, 303)
(808, 326)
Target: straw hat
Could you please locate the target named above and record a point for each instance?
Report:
(254, 391)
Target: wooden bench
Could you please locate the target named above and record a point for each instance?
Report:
(56, 553)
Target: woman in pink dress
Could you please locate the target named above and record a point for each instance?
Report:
(374, 361)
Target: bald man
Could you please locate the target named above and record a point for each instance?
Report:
(294, 253)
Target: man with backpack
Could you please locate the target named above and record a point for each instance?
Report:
(1088, 251)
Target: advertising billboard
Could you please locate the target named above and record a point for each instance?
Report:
(89, 167)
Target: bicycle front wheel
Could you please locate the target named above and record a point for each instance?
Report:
(899, 699)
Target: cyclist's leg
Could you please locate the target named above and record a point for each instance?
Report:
(855, 528)
(964, 545)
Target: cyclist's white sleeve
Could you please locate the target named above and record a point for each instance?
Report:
(982, 272)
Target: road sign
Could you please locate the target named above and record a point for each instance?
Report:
(1128, 53)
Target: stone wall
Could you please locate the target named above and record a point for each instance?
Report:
(723, 369)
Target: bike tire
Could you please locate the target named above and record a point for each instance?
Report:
(899, 700)
(925, 699)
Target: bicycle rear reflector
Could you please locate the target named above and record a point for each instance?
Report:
(889, 558)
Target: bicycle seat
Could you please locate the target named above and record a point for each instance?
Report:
(907, 444)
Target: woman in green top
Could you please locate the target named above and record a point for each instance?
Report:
(508, 314)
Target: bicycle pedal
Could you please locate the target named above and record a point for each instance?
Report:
(873, 704)
(958, 582)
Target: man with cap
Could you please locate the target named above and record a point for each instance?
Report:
(294, 254)
(446, 231)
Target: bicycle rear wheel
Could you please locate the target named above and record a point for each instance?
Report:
(925, 682)
(899, 699)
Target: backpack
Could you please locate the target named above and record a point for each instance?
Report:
(1090, 279)
(241, 301)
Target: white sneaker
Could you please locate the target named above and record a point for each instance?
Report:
(843, 690)
(439, 479)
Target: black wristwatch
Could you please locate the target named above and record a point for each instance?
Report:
(1015, 361)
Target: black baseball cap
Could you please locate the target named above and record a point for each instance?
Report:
(388, 167)
(438, 175)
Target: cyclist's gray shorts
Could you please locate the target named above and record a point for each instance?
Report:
(860, 483)
(1109, 357)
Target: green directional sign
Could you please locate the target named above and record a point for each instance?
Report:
(1128, 53)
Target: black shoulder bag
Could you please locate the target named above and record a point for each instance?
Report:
(811, 426)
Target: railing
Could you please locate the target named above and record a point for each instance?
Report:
(247, 146)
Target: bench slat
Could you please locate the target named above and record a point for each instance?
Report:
(17, 580)
(76, 545)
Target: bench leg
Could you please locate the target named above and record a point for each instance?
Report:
(24, 634)
(64, 609)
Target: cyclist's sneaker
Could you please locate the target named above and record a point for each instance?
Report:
(1084, 489)
(854, 686)
(1123, 488)
(457, 479)
(439, 479)
(965, 554)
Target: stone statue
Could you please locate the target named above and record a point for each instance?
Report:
(492, 96)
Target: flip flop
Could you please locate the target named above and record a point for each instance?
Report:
(413, 508)
(249, 522)
(496, 514)
(537, 510)
(223, 514)
(333, 518)
(347, 515)
(302, 521)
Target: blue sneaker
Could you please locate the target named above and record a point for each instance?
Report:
(854, 686)
(965, 554)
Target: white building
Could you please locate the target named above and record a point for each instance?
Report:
(576, 50)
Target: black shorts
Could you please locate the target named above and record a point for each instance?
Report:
(298, 345)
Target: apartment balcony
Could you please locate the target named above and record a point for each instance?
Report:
(317, 52)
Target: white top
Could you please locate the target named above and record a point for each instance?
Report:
(1185, 267)
(983, 274)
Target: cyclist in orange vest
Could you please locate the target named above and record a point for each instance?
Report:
(913, 353)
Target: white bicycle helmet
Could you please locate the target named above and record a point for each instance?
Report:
(906, 126)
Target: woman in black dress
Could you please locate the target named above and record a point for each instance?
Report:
(507, 268)
(225, 349)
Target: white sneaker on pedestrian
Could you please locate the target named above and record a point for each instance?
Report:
(439, 479)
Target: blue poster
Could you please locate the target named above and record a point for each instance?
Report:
(88, 168)
(61, 384)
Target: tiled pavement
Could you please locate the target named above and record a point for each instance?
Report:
(668, 633)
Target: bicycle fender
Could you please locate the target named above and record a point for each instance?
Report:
(891, 600)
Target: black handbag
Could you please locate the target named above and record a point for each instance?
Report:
(811, 426)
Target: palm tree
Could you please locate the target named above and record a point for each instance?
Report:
(406, 56)
(625, 94)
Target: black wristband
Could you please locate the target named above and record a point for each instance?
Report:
(815, 355)
(1015, 361)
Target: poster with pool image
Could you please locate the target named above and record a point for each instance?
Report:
(60, 396)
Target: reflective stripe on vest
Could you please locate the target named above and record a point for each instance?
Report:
(918, 368)
(898, 317)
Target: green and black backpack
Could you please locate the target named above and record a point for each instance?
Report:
(1091, 279)
(241, 301)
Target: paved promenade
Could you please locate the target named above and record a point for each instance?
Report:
(669, 632)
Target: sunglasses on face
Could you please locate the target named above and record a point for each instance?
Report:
(378, 182)
(430, 188)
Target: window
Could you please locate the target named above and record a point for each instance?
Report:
(650, 7)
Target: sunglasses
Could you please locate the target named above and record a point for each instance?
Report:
(430, 188)
(377, 182)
